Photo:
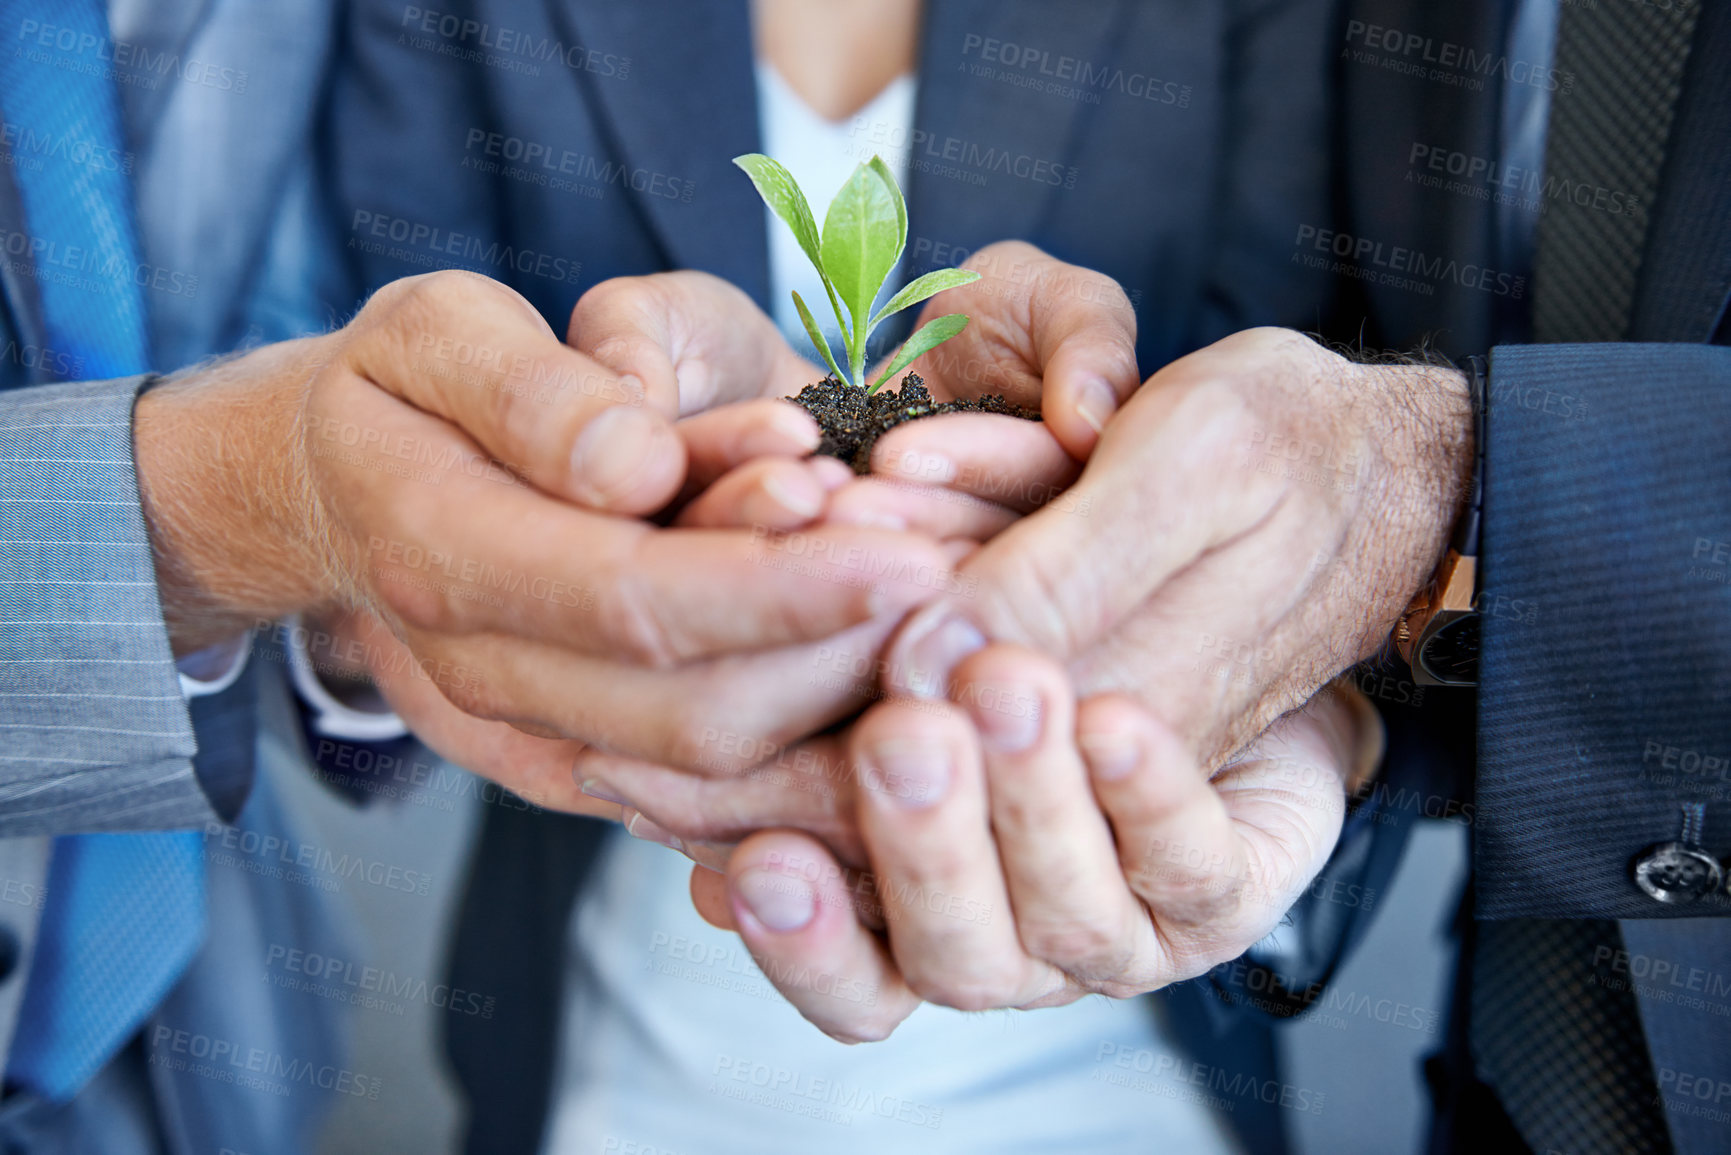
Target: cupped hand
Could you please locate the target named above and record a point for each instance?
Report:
(1047, 335)
(1026, 851)
(1252, 523)
(447, 464)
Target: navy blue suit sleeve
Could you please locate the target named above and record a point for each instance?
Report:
(1605, 675)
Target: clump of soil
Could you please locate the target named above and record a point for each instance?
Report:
(852, 419)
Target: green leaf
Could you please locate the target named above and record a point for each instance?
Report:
(889, 178)
(859, 245)
(928, 337)
(929, 285)
(817, 338)
(781, 193)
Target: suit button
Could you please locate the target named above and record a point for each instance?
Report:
(1675, 872)
(8, 952)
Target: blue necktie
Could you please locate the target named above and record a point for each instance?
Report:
(125, 912)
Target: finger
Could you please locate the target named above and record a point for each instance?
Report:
(932, 510)
(727, 436)
(1287, 792)
(709, 896)
(805, 788)
(1086, 342)
(1071, 329)
(535, 769)
(1229, 645)
(1146, 507)
(688, 335)
(773, 492)
(1007, 460)
(493, 557)
(1176, 842)
(1218, 861)
(473, 352)
(714, 718)
(926, 823)
(1072, 905)
(791, 904)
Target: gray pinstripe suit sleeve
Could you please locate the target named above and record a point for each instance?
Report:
(94, 731)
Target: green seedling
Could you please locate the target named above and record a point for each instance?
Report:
(864, 233)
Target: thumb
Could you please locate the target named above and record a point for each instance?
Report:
(1067, 575)
(694, 340)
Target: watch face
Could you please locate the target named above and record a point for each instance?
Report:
(1451, 653)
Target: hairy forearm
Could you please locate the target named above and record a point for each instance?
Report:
(234, 527)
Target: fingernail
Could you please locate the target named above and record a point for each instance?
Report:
(1111, 756)
(868, 518)
(595, 788)
(934, 652)
(633, 387)
(1095, 403)
(830, 473)
(911, 773)
(926, 468)
(613, 449)
(693, 378)
(798, 495)
(643, 828)
(1008, 717)
(709, 855)
(781, 902)
(786, 431)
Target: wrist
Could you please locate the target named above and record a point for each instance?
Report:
(1430, 444)
(226, 494)
(1437, 635)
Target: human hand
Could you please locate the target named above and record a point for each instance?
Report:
(1026, 851)
(426, 464)
(1047, 335)
(1252, 523)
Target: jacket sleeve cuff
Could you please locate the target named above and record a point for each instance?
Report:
(95, 733)
(1605, 623)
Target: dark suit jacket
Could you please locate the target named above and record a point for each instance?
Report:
(1605, 680)
(1179, 148)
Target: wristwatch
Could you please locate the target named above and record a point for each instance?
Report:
(1438, 635)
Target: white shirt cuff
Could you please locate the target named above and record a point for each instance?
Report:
(229, 657)
(334, 719)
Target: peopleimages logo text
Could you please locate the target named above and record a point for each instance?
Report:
(1366, 252)
(462, 32)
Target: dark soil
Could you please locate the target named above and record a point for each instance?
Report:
(852, 419)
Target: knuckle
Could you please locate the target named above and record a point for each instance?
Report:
(446, 291)
(632, 630)
(1051, 603)
(872, 1029)
(988, 991)
(690, 727)
(1080, 948)
(473, 699)
(415, 604)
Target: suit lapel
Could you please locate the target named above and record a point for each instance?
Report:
(962, 117)
(686, 109)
